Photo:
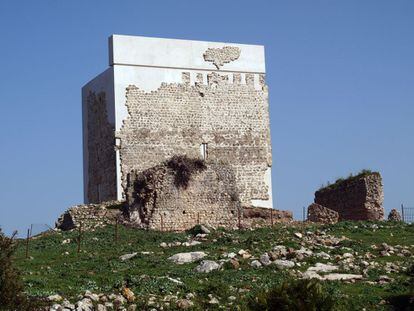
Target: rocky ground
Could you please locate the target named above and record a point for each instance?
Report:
(364, 263)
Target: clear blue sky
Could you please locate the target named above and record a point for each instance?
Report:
(340, 73)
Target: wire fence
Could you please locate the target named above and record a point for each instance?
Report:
(407, 213)
(36, 229)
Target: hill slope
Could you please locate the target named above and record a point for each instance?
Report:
(377, 252)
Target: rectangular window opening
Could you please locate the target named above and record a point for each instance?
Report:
(203, 151)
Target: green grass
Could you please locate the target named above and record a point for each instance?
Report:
(340, 180)
(98, 268)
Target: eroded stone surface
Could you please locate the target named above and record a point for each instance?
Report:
(357, 198)
(101, 152)
(319, 213)
(156, 202)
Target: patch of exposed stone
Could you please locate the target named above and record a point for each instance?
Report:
(360, 197)
(101, 154)
(221, 56)
(321, 214)
(90, 216)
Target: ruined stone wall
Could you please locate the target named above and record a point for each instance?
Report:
(357, 198)
(210, 198)
(229, 113)
(101, 152)
(322, 214)
(156, 201)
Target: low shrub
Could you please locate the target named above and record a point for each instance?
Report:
(183, 168)
(12, 296)
(295, 295)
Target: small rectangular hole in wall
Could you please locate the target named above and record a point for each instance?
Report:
(203, 151)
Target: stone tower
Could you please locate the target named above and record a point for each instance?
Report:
(165, 97)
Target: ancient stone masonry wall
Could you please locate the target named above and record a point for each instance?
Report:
(101, 153)
(154, 201)
(264, 217)
(90, 216)
(357, 198)
(319, 213)
(229, 115)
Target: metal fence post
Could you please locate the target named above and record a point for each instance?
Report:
(27, 243)
(402, 212)
(303, 213)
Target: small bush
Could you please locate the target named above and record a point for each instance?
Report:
(184, 167)
(11, 286)
(297, 295)
(405, 301)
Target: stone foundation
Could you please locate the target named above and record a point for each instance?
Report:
(90, 216)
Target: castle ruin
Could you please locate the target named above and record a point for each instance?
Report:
(165, 97)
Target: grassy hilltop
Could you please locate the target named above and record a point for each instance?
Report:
(55, 266)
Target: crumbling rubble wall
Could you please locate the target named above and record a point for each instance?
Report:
(156, 202)
(322, 214)
(90, 216)
(225, 113)
(357, 198)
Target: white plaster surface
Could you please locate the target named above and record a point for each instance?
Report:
(184, 54)
(268, 181)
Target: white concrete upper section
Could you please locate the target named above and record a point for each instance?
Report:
(181, 54)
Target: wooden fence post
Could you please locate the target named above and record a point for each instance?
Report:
(303, 213)
(79, 237)
(27, 243)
